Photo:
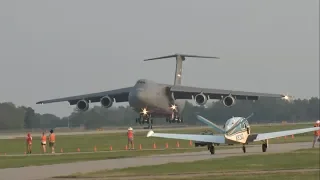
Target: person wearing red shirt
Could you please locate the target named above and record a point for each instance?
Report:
(29, 143)
(130, 138)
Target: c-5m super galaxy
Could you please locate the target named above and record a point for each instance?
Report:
(152, 99)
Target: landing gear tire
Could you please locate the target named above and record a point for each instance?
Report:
(211, 149)
(244, 149)
(264, 147)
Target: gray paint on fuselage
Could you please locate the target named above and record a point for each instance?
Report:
(153, 96)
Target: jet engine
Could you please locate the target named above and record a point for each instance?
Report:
(201, 99)
(106, 102)
(229, 101)
(82, 105)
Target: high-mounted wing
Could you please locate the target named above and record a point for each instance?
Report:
(270, 135)
(202, 138)
(186, 92)
(210, 124)
(120, 95)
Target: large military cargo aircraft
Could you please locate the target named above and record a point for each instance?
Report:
(154, 100)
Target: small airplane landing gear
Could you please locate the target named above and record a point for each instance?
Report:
(211, 148)
(264, 147)
(244, 149)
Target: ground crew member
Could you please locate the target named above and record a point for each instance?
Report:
(316, 134)
(29, 143)
(43, 142)
(130, 138)
(52, 140)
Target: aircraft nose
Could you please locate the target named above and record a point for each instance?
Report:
(139, 94)
(137, 97)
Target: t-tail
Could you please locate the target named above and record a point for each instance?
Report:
(211, 124)
(179, 59)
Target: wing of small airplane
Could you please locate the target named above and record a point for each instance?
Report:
(210, 124)
(192, 137)
(120, 95)
(270, 135)
(186, 92)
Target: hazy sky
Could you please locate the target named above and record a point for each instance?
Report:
(59, 48)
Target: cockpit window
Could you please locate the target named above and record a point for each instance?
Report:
(141, 82)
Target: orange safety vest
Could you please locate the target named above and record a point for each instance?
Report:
(43, 138)
(52, 137)
(130, 134)
(317, 133)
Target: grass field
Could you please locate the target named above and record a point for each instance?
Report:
(292, 165)
(22, 161)
(118, 141)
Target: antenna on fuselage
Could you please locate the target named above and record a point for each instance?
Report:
(249, 116)
(179, 59)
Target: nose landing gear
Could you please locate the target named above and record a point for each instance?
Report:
(145, 119)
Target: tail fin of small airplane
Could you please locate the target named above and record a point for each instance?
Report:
(179, 59)
(211, 124)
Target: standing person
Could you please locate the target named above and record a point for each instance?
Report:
(52, 140)
(130, 138)
(43, 142)
(29, 143)
(316, 134)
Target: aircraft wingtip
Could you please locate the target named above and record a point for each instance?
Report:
(150, 133)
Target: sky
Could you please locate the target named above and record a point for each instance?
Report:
(51, 49)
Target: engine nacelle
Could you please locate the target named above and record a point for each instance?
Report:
(106, 102)
(229, 101)
(82, 105)
(201, 99)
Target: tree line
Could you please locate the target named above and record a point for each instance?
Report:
(265, 110)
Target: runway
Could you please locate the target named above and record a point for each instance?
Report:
(47, 171)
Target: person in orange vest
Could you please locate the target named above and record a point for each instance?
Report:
(29, 143)
(130, 138)
(316, 134)
(43, 142)
(52, 140)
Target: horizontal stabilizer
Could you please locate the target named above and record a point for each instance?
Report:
(182, 56)
(192, 137)
(264, 136)
(210, 124)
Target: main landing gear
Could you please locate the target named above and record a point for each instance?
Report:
(244, 148)
(211, 148)
(174, 118)
(145, 119)
(264, 146)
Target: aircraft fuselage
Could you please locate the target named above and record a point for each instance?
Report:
(151, 96)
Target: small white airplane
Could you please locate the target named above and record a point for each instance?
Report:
(235, 131)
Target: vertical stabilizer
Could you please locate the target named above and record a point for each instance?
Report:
(179, 59)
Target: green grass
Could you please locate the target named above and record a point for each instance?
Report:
(300, 159)
(86, 143)
(269, 176)
(118, 140)
(30, 160)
